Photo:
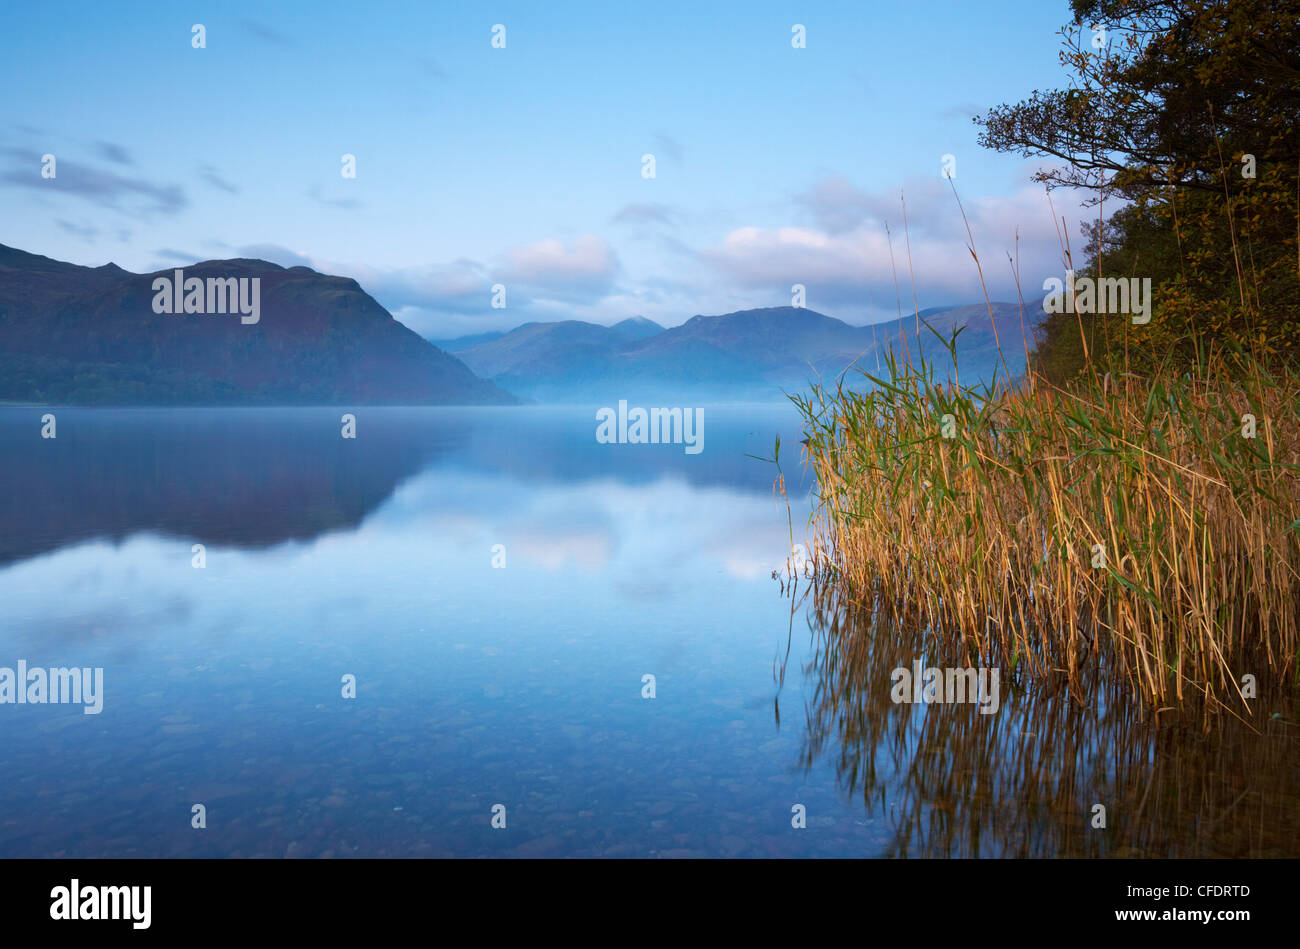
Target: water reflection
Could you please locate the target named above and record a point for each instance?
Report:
(254, 478)
(520, 685)
(1024, 782)
(476, 685)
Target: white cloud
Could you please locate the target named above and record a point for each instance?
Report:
(840, 263)
(586, 263)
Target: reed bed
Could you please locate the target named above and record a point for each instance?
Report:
(948, 783)
(1122, 522)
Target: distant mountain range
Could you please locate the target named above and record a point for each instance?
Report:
(541, 340)
(90, 335)
(744, 355)
(93, 335)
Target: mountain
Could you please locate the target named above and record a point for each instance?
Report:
(750, 354)
(633, 328)
(457, 343)
(636, 327)
(90, 335)
(978, 344)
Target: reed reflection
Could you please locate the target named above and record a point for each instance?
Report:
(1025, 782)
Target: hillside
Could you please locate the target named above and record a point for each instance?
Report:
(750, 354)
(83, 335)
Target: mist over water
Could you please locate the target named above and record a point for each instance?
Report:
(520, 685)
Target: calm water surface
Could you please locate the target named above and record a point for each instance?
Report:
(522, 685)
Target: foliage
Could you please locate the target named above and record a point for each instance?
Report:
(1183, 100)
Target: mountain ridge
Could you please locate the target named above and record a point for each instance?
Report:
(760, 352)
(89, 335)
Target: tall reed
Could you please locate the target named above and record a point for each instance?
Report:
(1045, 528)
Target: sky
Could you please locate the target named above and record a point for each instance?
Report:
(523, 165)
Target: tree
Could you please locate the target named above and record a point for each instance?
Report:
(1183, 112)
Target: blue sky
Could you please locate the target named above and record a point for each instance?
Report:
(523, 165)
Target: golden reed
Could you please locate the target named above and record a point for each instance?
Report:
(1152, 520)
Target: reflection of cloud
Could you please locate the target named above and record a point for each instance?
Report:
(647, 535)
(554, 551)
(594, 553)
(749, 552)
(117, 606)
(644, 590)
(109, 622)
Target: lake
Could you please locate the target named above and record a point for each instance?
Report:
(499, 583)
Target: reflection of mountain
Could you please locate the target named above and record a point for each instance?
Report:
(257, 477)
(238, 477)
(558, 445)
(752, 354)
(82, 335)
(1023, 782)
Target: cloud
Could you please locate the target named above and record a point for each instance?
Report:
(436, 324)
(664, 145)
(86, 232)
(114, 153)
(645, 213)
(963, 110)
(210, 175)
(430, 67)
(264, 32)
(347, 203)
(462, 285)
(272, 253)
(845, 258)
(836, 206)
(549, 279)
(276, 255)
(135, 197)
(584, 266)
(759, 257)
(170, 253)
(543, 280)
